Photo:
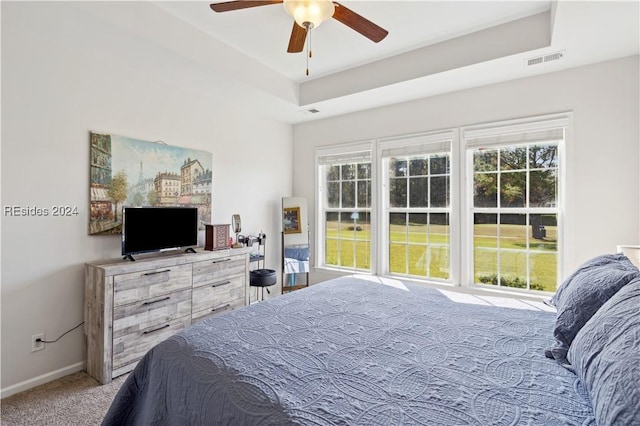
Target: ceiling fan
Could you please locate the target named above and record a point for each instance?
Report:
(309, 14)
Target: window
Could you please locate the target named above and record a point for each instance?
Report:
(345, 208)
(478, 205)
(514, 206)
(417, 205)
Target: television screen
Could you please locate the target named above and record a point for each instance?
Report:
(148, 229)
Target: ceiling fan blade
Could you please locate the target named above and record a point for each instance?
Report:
(228, 6)
(358, 23)
(298, 37)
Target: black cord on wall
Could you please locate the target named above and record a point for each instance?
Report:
(63, 334)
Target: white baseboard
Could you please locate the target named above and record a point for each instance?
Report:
(40, 380)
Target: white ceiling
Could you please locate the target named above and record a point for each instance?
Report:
(433, 47)
(263, 32)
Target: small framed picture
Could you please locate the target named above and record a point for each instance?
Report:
(291, 220)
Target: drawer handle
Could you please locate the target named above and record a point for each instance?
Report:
(156, 329)
(220, 284)
(157, 272)
(156, 301)
(221, 260)
(221, 308)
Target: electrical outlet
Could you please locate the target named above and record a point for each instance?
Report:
(35, 344)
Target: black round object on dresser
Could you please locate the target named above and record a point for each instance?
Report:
(262, 277)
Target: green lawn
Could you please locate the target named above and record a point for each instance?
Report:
(415, 251)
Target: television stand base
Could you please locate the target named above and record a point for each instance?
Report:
(128, 257)
(190, 250)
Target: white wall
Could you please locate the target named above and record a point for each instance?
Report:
(603, 159)
(53, 93)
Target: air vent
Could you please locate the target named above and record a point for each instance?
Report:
(545, 58)
(554, 56)
(535, 61)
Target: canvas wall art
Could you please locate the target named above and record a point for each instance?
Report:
(133, 172)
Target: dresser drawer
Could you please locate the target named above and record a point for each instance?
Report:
(217, 309)
(135, 286)
(210, 271)
(131, 347)
(147, 313)
(218, 293)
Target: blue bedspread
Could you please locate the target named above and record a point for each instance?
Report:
(354, 351)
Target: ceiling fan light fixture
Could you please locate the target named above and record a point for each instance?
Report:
(309, 13)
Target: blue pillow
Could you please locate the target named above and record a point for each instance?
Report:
(606, 357)
(596, 262)
(582, 294)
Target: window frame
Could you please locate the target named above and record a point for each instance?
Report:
(340, 154)
(409, 145)
(504, 133)
(461, 175)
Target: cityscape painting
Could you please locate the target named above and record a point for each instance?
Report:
(135, 173)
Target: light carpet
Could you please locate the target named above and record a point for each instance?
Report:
(76, 399)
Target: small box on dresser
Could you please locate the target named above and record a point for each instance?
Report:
(216, 237)
(132, 306)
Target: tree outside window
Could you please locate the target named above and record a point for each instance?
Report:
(515, 217)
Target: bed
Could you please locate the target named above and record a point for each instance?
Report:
(361, 350)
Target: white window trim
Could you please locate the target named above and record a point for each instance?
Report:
(461, 191)
(529, 124)
(341, 151)
(406, 145)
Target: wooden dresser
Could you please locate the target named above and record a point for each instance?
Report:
(132, 306)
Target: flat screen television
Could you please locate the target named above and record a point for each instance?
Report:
(152, 229)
